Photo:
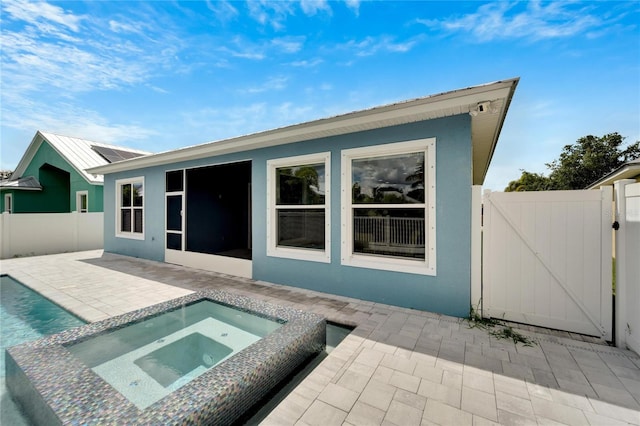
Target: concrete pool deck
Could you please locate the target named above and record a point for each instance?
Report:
(398, 367)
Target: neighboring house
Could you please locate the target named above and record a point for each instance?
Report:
(374, 204)
(629, 170)
(51, 176)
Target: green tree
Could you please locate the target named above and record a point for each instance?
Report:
(580, 164)
(529, 182)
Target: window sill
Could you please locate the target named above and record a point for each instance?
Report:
(300, 254)
(390, 264)
(130, 236)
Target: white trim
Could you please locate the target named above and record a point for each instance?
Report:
(476, 248)
(182, 208)
(79, 195)
(210, 262)
(131, 235)
(348, 257)
(290, 252)
(8, 199)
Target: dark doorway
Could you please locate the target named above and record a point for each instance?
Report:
(56, 191)
(218, 210)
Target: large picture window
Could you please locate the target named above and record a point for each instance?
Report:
(298, 216)
(130, 208)
(388, 192)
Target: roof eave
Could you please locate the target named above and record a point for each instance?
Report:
(436, 106)
(28, 155)
(627, 171)
(18, 188)
(33, 147)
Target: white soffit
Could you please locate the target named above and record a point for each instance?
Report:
(485, 127)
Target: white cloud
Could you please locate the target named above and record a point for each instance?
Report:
(537, 21)
(274, 83)
(275, 13)
(289, 44)
(42, 15)
(289, 112)
(312, 7)
(353, 5)
(74, 54)
(68, 119)
(239, 47)
(373, 45)
(227, 122)
(30, 63)
(272, 13)
(234, 121)
(222, 10)
(307, 63)
(52, 58)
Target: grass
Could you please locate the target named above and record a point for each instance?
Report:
(497, 329)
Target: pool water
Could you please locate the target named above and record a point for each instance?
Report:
(25, 316)
(151, 359)
(56, 377)
(170, 347)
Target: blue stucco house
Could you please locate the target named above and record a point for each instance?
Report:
(381, 204)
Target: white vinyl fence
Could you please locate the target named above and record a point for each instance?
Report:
(547, 259)
(31, 234)
(627, 196)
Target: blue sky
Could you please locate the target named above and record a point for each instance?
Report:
(159, 75)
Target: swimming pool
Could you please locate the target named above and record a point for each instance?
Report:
(25, 316)
(59, 385)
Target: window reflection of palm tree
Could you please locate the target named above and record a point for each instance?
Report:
(417, 182)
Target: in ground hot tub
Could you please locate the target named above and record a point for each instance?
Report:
(203, 358)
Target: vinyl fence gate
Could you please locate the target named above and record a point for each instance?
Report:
(547, 259)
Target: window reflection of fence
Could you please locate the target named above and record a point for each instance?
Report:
(389, 231)
(301, 228)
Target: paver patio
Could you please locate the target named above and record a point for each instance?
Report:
(398, 367)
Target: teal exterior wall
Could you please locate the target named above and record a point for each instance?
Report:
(447, 292)
(60, 182)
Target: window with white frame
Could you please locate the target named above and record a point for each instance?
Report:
(82, 201)
(298, 217)
(8, 203)
(388, 215)
(130, 208)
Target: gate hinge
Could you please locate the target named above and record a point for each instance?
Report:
(616, 225)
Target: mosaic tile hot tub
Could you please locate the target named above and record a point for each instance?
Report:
(200, 359)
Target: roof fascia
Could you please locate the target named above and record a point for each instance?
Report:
(18, 188)
(28, 155)
(624, 172)
(377, 117)
(513, 83)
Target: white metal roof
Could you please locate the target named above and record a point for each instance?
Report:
(29, 183)
(485, 127)
(76, 151)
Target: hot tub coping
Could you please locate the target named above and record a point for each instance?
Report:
(55, 387)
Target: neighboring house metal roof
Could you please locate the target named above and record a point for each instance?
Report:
(28, 183)
(629, 170)
(487, 104)
(81, 154)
